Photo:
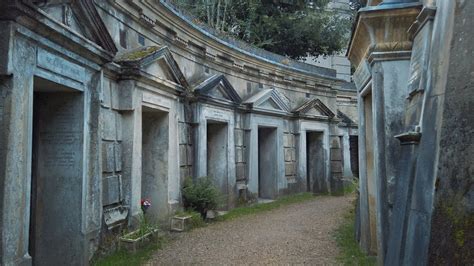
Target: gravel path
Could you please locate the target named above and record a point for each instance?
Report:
(295, 234)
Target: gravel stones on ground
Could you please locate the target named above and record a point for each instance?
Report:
(295, 234)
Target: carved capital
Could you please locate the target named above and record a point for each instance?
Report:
(382, 29)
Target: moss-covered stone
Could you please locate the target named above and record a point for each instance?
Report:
(138, 54)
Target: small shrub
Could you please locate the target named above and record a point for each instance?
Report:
(200, 196)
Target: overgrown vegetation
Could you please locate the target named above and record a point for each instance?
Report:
(257, 208)
(291, 28)
(201, 195)
(125, 258)
(351, 254)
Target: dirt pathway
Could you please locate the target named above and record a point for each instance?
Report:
(295, 234)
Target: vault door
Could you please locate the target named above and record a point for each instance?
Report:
(57, 178)
(315, 166)
(155, 149)
(267, 162)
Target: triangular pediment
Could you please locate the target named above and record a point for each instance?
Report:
(156, 61)
(217, 87)
(345, 118)
(270, 104)
(268, 100)
(314, 107)
(161, 69)
(82, 17)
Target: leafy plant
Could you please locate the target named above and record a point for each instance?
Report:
(201, 195)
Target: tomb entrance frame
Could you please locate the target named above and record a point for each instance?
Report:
(313, 127)
(206, 113)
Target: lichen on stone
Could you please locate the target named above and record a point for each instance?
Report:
(138, 54)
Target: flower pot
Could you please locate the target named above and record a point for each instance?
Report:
(133, 243)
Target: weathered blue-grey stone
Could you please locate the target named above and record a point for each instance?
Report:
(111, 190)
(289, 169)
(288, 154)
(190, 154)
(239, 137)
(240, 171)
(182, 155)
(105, 95)
(118, 156)
(183, 133)
(118, 126)
(109, 130)
(239, 154)
(108, 157)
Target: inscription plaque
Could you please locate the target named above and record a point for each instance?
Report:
(61, 66)
(361, 75)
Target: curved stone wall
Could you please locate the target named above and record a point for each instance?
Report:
(142, 100)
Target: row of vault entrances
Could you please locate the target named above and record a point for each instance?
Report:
(57, 166)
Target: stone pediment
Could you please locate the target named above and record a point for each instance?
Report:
(345, 118)
(156, 61)
(315, 108)
(82, 17)
(268, 100)
(219, 88)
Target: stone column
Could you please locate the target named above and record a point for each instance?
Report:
(389, 81)
(93, 177)
(16, 110)
(381, 38)
(130, 103)
(336, 167)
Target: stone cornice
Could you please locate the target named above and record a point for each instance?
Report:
(39, 22)
(173, 28)
(428, 13)
(371, 35)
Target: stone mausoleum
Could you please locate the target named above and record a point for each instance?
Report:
(104, 103)
(415, 76)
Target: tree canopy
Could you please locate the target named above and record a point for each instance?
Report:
(294, 28)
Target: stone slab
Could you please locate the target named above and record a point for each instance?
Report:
(239, 154)
(111, 190)
(289, 169)
(240, 171)
(118, 156)
(183, 159)
(190, 154)
(108, 157)
(109, 131)
(239, 137)
(105, 96)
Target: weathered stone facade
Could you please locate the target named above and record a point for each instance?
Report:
(414, 79)
(104, 103)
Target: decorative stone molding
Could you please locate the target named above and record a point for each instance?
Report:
(409, 138)
(135, 59)
(269, 101)
(147, 20)
(180, 41)
(371, 34)
(96, 25)
(219, 88)
(320, 107)
(428, 13)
